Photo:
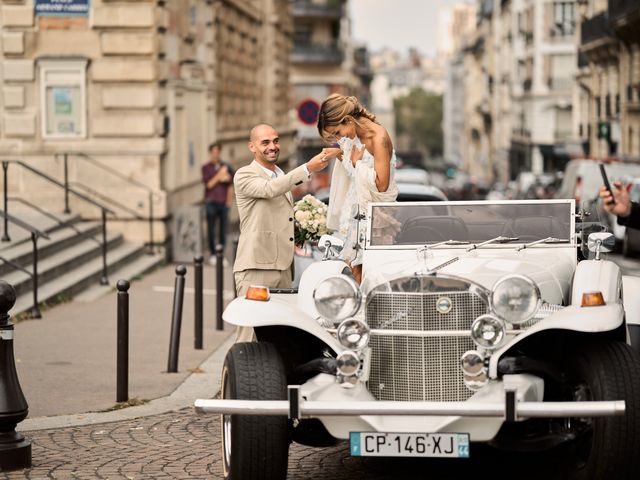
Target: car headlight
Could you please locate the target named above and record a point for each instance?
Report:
(337, 297)
(515, 298)
(488, 331)
(353, 334)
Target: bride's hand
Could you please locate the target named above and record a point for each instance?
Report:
(356, 155)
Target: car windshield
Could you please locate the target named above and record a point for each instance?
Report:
(473, 222)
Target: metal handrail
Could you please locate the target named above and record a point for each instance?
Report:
(112, 171)
(151, 193)
(100, 196)
(50, 179)
(35, 233)
(23, 224)
(60, 222)
(104, 210)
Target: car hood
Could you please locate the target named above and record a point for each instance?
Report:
(551, 269)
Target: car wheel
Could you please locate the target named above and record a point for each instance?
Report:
(606, 447)
(254, 447)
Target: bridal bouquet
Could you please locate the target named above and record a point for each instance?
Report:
(310, 219)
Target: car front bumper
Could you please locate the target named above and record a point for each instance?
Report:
(515, 398)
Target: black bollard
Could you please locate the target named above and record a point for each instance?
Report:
(15, 449)
(176, 319)
(198, 302)
(219, 286)
(122, 367)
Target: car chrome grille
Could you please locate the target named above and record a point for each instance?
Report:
(409, 368)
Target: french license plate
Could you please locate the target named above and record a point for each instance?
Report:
(376, 444)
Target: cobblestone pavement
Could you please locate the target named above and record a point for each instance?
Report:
(184, 445)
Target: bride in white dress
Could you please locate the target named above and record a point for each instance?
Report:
(364, 173)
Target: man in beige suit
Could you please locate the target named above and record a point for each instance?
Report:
(265, 207)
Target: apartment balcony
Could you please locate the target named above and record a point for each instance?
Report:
(310, 53)
(560, 84)
(596, 32)
(624, 16)
(307, 9)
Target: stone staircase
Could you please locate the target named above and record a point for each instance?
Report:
(70, 261)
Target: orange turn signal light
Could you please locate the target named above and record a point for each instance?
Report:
(258, 292)
(592, 299)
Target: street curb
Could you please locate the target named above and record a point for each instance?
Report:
(196, 385)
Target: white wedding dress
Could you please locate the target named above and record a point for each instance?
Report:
(352, 190)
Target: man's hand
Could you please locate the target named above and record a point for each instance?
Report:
(622, 207)
(223, 174)
(320, 161)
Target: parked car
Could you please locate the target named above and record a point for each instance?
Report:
(412, 175)
(407, 192)
(474, 324)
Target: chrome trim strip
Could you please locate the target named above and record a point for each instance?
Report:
(425, 333)
(308, 409)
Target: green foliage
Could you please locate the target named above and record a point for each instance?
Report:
(419, 117)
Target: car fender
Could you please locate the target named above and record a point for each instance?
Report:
(312, 275)
(631, 299)
(596, 275)
(280, 310)
(574, 318)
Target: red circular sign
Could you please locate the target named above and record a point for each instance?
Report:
(308, 111)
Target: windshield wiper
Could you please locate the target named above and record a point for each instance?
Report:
(544, 240)
(499, 239)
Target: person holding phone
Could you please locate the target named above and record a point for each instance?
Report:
(616, 201)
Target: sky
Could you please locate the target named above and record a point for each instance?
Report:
(398, 24)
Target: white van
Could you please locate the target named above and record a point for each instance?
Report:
(582, 182)
(582, 179)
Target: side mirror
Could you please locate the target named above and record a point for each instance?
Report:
(601, 242)
(330, 245)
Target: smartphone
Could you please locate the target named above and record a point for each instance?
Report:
(605, 180)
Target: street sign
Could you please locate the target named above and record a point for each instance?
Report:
(61, 8)
(308, 111)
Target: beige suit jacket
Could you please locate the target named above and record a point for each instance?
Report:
(266, 218)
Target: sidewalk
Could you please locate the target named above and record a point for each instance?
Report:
(66, 361)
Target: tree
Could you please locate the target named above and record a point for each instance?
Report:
(419, 120)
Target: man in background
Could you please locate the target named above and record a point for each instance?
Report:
(218, 195)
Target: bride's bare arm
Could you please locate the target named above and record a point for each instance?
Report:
(382, 151)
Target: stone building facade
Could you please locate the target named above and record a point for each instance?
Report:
(140, 87)
(519, 72)
(608, 90)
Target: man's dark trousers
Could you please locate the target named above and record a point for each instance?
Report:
(217, 212)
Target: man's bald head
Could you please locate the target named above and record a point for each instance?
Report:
(259, 130)
(265, 145)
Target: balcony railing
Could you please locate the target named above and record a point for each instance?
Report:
(560, 84)
(624, 11)
(595, 28)
(309, 9)
(314, 53)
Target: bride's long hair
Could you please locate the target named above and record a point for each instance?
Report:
(336, 108)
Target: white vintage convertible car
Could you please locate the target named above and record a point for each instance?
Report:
(475, 323)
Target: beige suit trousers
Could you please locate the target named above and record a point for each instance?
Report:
(267, 278)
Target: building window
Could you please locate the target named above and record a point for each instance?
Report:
(564, 23)
(63, 98)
